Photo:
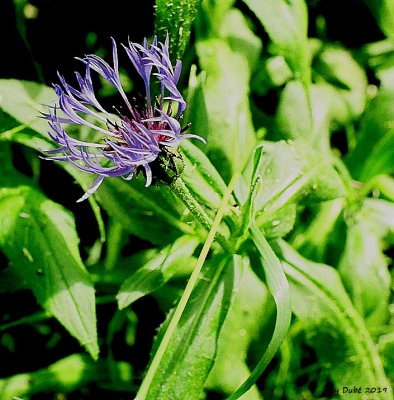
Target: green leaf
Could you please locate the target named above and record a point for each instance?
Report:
(280, 222)
(191, 351)
(12, 131)
(39, 238)
(176, 17)
(65, 375)
(137, 207)
(380, 214)
(201, 177)
(157, 271)
(373, 154)
(277, 70)
(23, 100)
(6, 165)
(243, 325)
(210, 17)
(336, 70)
(279, 288)
(275, 222)
(235, 30)
(10, 282)
(293, 118)
(383, 11)
(337, 97)
(286, 23)
(219, 110)
(335, 329)
(290, 171)
(385, 185)
(365, 273)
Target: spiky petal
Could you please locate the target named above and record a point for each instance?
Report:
(125, 143)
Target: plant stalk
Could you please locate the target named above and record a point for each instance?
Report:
(182, 192)
(144, 389)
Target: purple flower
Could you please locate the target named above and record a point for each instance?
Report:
(126, 143)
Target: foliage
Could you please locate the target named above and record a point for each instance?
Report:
(282, 225)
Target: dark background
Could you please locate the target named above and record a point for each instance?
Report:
(59, 33)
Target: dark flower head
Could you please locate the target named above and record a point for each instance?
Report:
(126, 143)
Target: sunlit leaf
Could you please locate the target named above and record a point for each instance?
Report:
(291, 171)
(24, 99)
(338, 72)
(39, 238)
(383, 11)
(243, 325)
(380, 214)
(201, 177)
(293, 118)
(279, 288)
(235, 30)
(157, 271)
(220, 108)
(65, 375)
(190, 354)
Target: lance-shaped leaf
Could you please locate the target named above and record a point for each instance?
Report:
(136, 207)
(219, 110)
(39, 238)
(279, 288)
(201, 177)
(275, 222)
(188, 359)
(335, 329)
(23, 100)
(236, 31)
(157, 271)
(246, 321)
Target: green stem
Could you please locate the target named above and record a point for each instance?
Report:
(142, 393)
(30, 319)
(182, 192)
(346, 179)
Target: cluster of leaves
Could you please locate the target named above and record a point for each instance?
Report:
(300, 268)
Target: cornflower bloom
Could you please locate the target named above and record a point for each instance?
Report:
(127, 143)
